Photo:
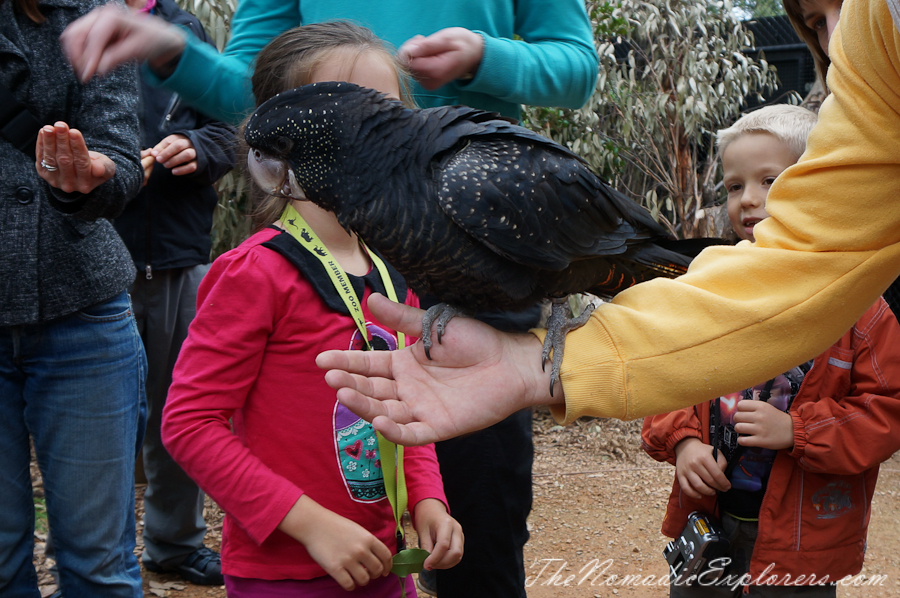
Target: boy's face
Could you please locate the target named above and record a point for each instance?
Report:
(751, 163)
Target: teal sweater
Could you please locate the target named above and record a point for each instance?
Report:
(553, 64)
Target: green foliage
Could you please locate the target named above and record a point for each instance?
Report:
(759, 8)
(671, 74)
(40, 515)
(231, 221)
(215, 15)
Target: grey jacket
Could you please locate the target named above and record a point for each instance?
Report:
(59, 253)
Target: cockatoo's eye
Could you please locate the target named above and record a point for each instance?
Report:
(283, 144)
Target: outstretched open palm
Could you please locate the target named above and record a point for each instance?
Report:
(477, 376)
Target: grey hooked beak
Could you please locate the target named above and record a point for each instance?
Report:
(273, 175)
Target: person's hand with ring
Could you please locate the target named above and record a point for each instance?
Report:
(64, 161)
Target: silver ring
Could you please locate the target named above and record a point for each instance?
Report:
(48, 167)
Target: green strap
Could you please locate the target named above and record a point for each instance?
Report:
(294, 223)
(391, 455)
(394, 479)
(389, 287)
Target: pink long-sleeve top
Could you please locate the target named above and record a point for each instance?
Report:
(250, 418)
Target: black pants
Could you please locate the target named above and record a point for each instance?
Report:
(487, 478)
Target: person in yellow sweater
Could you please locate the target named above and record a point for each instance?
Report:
(829, 249)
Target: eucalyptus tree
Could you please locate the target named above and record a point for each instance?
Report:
(672, 72)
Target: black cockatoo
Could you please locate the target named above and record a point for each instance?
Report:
(480, 213)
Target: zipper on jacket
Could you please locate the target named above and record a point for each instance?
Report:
(163, 125)
(170, 112)
(148, 239)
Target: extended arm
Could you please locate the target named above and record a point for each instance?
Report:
(555, 66)
(216, 84)
(829, 249)
(478, 377)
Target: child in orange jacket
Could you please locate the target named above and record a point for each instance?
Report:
(805, 446)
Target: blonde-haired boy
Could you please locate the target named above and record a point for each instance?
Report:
(757, 148)
(789, 465)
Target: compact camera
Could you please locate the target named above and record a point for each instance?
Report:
(702, 542)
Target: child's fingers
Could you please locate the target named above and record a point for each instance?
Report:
(751, 406)
(707, 479)
(692, 485)
(344, 579)
(456, 549)
(448, 549)
(721, 461)
(709, 471)
(170, 152)
(359, 575)
(716, 479)
(752, 436)
(436, 542)
(426, 541)
(147, 164)
(188, 166)
(384, 555)
(700, 486)
(375, 563)
(752, 411)
(748, 432)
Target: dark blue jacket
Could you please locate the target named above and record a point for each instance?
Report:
(168, 224)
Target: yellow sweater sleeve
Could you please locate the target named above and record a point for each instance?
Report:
(743, 314)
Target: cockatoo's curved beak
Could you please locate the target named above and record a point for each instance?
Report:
(273, 175)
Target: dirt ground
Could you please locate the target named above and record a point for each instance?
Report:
(598, 505)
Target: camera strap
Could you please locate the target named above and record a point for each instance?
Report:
(18, 125)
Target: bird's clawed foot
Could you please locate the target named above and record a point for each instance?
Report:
(440, 314)
(558, 326)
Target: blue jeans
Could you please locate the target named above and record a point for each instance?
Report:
(75, 386)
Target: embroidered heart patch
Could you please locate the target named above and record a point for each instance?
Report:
(354, 450)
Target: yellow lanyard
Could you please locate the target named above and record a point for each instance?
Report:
(391, 454)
